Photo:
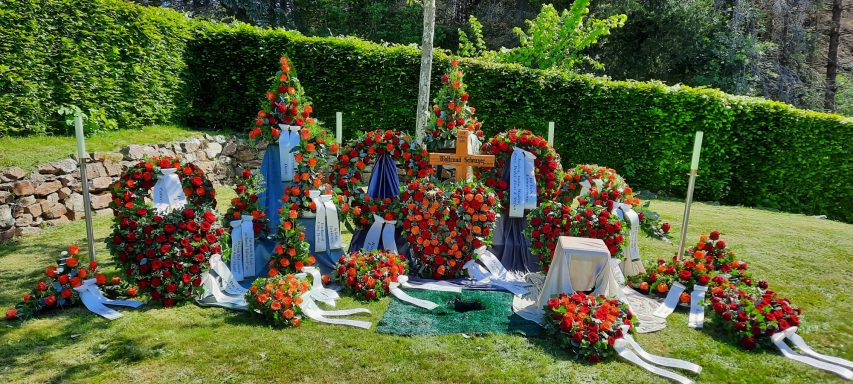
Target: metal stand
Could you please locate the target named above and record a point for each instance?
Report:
(82, 157)
(689, 200)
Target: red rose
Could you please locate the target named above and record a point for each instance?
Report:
(189, 214)
(11, 314)
(704, 280)
(721, 244)
(50, 300)
(715, 235)
(100, 279)
(63, 279)
(747, 343)
(66, 293)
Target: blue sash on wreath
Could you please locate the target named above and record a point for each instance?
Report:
(270, 198)
(384, 183)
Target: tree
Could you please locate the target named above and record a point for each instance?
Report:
(559, 40)
(832, 58)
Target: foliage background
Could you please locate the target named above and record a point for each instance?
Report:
(150, 65)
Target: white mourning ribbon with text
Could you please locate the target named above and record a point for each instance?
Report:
(168, 194)
(625, 212)
(838, 366)
(319, 293)
(381, 229)
(288, 140)
(221, 288)
(95, 301)
(628, 349)
(668, 306)
(237, 249)
(696, 316)
(327, 227)
(247, 231)
(403, 282)
(522, 184)
(492, 272)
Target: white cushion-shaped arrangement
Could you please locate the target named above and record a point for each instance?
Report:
(579, 264)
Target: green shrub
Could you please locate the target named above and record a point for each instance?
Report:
(143, 65)
(108, 55)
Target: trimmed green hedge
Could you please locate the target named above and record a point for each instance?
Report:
(106, 54)
(213, 76)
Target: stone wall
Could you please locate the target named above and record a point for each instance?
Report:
(52, 193)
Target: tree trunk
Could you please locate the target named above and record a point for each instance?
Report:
(426, 69)
(832, 58)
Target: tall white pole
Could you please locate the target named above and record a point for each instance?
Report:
(82, 157)
(426, 70)
(551, 133)
(339, 127)
(694, 171)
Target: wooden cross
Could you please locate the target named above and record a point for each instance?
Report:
(461, 159)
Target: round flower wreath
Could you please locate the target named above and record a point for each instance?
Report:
(613, 186)
(587, 325)
(548, 170)
(551, 219)
(368, 275)
(276, 299)
(360, 152)
(164, 254)
(445, 224)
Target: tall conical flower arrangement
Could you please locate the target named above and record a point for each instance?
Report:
(285, 103)
(450, 111)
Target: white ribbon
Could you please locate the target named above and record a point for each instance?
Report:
(629, 350)
(287, 140)
(585, 188)
(394, 287)
(326, 223)
(237, 249)
(247, 232)
(95, 301)
(625, 212)
(522, 185)
(668, 306)
(318, 292)
(696, 317)
(384, 229)
(310, 309)
(492, 272)
(815, 359)
(226, 279)
(168, 193)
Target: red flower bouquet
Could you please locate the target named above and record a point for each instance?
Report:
(550, 220)
(247, 186)
(292, 252)
(361, 152)
(450, 111)
(752, 314)
(164, 254)
(445, 224)
(587, 325)
(58, 290)
(285, 104)
(276, 299)
(548, 170)
(368, 275)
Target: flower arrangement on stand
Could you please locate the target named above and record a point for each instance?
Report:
(548, 170)
(361, 152)
(247, 186)
(368, 275)
(292, 252)
(551, 219)
(450, 111)
(445, 224)
(276, 299)
(286, 104)
(587, 325)
(57, 291)
(312, 161)
(166, 254)
(605, 184)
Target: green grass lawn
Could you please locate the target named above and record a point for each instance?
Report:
(804, 258)
(30, 151)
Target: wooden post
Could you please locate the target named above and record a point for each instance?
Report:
(426, 70)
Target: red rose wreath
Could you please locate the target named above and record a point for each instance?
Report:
(346, 176)
(164, 254)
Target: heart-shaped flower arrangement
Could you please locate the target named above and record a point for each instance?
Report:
(445, 224)
(164, 254)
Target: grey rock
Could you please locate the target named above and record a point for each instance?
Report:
(52, 198)
(213, 149)
(65, 166)
(33, 209)
(13, 173)
(24, 220)
(191, 145)
(101, 201)
(54, 211)
(133, 152)
(6, 219)
(47, 169)
(23, 188)
(229, 149)
(74, 202)
(64, 192)
(27, 231)
(5, 197)
(113, 168)
(101, 183)
(26, 201)
(58, 221)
